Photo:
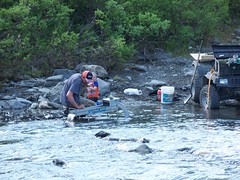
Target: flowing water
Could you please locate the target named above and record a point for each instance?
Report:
(188, 142)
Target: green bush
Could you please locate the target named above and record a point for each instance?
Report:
(38, 36)
(34, 33)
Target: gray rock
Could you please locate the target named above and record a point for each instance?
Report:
(24, 101)
(54, 94)
(143, 149)
(54, 105)
(55, 78)
(43, 104)
(101, 72)
(103, 86)
(34, 106)
(102, 134)
(59, 162)
(156, 83)
(137, 67)
(237, 32)
(43, 90)
(4, 105)
(8, 97)
(15, 104)
(65, 72)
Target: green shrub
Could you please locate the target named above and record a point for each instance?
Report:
(32, 32)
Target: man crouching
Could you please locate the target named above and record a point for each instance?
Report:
(70, 94)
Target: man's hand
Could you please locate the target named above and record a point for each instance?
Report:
(81, 106)
(72, 101)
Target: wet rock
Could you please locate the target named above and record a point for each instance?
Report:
(58, 162)
(102, 134)
(187, 149)
(143, 149)
(142, 140)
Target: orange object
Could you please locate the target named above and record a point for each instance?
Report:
(84, 74)
(93, 93)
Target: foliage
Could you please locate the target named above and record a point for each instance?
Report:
(38, 36)
(170, 24)
(234, 7)
(192, 20)
(134, 27)
(31, 32)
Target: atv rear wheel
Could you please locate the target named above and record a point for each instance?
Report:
(196, 88)
(214, 99)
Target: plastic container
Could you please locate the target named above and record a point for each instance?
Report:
(132, 91)
(167, 94)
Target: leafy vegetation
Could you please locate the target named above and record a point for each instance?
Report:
(38, 36)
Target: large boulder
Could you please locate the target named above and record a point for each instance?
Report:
(99, 70)
(103, 86)
(53, 80)
(54, 94)
(65, 72)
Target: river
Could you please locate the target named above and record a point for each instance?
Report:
(188, 142)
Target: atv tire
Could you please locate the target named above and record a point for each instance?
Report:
(196, 88)
(214, 99)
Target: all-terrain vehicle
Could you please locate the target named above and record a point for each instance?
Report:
(217, 76)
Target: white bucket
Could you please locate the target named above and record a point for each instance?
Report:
(167, 94)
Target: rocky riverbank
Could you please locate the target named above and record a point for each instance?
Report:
(37, 99)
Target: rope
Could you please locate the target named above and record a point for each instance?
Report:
(209, 84)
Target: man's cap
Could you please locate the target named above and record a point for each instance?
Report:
(87, 75)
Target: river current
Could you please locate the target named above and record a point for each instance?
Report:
(188, 142)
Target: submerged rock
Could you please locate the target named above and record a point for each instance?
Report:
(59, 162)
(143, 149)
(102, 134)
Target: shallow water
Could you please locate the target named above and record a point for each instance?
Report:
(188, 143)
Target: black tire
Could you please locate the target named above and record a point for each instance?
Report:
(196, 88)
(214, 99)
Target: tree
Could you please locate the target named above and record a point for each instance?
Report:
(35, 37)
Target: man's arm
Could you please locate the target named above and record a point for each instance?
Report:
(72, 101)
